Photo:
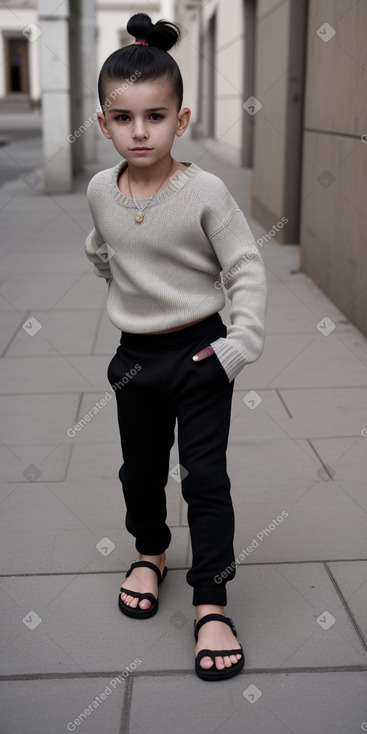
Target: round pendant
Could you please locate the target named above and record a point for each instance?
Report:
(139, 217)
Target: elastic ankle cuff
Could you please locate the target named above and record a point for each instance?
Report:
(210, 595)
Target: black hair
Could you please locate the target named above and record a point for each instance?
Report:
(152, 61)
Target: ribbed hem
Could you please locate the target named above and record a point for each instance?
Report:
(230, 358)
(210, 595)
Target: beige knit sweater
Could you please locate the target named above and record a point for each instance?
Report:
(166, 271)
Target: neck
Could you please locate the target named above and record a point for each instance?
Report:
(152, 174)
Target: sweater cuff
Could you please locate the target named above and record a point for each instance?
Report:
(230, 358)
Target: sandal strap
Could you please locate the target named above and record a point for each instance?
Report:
(147, 564)
(217, 653)
(139, 594)
(210, 618)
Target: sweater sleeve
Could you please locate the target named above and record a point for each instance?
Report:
(244, 278)
(95, 247)
(93, 243)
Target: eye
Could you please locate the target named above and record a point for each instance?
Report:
(155, 114)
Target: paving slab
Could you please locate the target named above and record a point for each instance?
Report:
(37, 262)
(325, 413)
(289, 314)
(275, 609)
(345, 458)
(253, 421)
(65, 331)
(88, 705)
(305, 361)
(325, 523)
(57, 374)
(328, 703)
(29, 464)
(95, 468)
(37, 419)
(49, 229)
(9, 324)
(103, 425)
(64, 290)
(323, 703)
(352, 581)
(56, 530)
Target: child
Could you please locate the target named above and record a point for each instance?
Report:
(164, 230)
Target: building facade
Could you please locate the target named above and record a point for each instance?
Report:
(279, 87)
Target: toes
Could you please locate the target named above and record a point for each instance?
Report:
(145, 604)
(206, 663)
(130, 601)
(226, 661)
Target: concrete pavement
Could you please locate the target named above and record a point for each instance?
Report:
(299, 596)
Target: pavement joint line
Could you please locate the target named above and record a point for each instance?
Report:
(66, 506)
(346, 451)
(126, 716)
(292, 360)
(12, 338)
(78, 407)
(71, 452)
(99, 321)
(92, 392)
(324, 466)
(346, 606)
(360, 359)
(26, 481)
(291, 438)
(72, 310)
(64, 357)
(350, 497)
(181, 672)
(181, 568)
(68, 289)
(280, 396)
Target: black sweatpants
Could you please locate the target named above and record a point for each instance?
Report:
(159, 382)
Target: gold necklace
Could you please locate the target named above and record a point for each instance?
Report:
(139, 216)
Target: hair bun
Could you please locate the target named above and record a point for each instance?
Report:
(162, 34)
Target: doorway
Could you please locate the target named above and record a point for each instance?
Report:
(17, 69)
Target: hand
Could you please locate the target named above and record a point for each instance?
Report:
(203, 354)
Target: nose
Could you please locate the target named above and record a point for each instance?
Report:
(139, 130)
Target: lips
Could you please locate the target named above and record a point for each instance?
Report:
(141, 149)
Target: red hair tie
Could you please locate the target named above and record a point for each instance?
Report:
(138, 43)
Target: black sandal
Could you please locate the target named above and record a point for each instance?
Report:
(213, 673)
(139, 613)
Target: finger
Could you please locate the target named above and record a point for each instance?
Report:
(203, 354)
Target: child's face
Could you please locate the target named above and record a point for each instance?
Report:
(130, 123)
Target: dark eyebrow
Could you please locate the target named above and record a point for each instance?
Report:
(151, 109)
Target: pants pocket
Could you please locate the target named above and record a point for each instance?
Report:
(213, 361)
(218, 367)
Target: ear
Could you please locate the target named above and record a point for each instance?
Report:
(102, 124)
(183, 121)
